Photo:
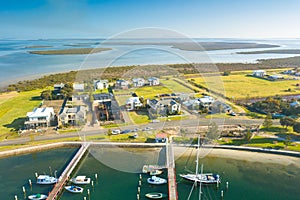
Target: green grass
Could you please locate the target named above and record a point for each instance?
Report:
(139, 117)
(238, 85)
(150, 92)
(175, 86)
(217, 115)
(13, 112)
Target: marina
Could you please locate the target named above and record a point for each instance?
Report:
(239, 178)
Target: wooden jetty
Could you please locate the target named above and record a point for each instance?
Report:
(64, 177)
(172, 185)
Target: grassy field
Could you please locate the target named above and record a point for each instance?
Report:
(175, 86)
(239, 86)
(139, 117)
(13, 111)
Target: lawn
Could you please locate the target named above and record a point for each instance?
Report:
(239, 86)
(175, 86)
(139, 117)
(150, 92)
(13, 111)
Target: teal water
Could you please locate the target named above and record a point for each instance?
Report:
(17, 170)
(247, 180)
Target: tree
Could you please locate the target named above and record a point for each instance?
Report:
(287, 121)
(287, 141)
(248, 135)
(213, 131)
(296, 127)
(226, 73)
(47, 94)
(268, 121)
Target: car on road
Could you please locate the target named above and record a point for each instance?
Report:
(136, 130)
(116, 132)
(125, 131)
(232, 114)
(147, 129)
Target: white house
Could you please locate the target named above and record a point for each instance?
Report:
(206, 101)
(100, 84)
(39, 117)
(122, 84)
(163, 107)
(153, 81)
(133, 103)
(138, 82)
(259, 73)
(78, 87)
(73, 116)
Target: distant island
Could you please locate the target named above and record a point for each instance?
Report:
(70, 51)
(279, 51)
(199, 46)
(37, 46)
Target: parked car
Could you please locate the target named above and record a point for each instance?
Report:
(136, 130)
(147, 129)
(232, 114)
(116, 132)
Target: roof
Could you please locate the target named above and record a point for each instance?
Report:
(138, 79)
(78, 86)
(161, 135)
(133, 99)
(41, 112)
(102, 96)
(153, 79)
(206, 99)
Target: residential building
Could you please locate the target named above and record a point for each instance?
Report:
(58, 87)
(163, 107)
(40, 117)
(259, 73)
(122, 84)
(79, 87)
(73, 116)
(153, 81)
(220, 107)
(138, 82)
(161, 137)
(101, 84)
(206, 101)
(133, 103)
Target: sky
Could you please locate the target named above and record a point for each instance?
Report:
(41, 19)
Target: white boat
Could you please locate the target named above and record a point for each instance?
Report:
(202, 178)
(156, 180)
(155, 195)
(207, 178)
(155, 172)
(46, 180)
(37, 196)
(74, 189)
(81, 180)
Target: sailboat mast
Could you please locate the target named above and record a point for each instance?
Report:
(197, 161)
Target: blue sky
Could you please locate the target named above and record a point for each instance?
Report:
(194, 18)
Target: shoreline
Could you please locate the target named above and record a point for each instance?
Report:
(236, 152)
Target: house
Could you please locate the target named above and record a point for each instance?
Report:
(73, 116)
(163, 107)
(102, 97)
(122, 84)
(138, 82)
(259, 73)
(58, 87)
(290, 72)
(101, 84)
(161, 137)
(133, 103)
(40, 117)
(153, 81)
(106, 108)
(79, 87)
(220, 107)
(206, 101)
(275, 77)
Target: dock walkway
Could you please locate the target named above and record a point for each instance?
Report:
(172, 185)
(64, 177)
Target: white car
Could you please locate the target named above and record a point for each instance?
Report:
(116, 132)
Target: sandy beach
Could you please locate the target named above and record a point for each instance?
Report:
(239, 155)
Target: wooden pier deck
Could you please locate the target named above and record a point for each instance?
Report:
(62, 180)
(172, 185)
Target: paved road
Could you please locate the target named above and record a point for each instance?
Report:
(190, 123)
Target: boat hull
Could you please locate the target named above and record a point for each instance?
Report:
(156, 180)
(74, 189)
(81, 182)
(37, 197)
(155, 195)
(203, 178)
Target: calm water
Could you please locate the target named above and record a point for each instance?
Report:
(16, 63)
(17, 170)
(247, 180)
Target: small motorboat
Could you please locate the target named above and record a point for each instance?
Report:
(81, 180)
(37, 197)
(74, 189)
(46, 180)
(155, 172)
(155, 195)
(156, 180)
